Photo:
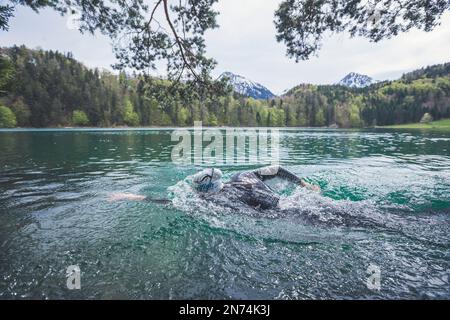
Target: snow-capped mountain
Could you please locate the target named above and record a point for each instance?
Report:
(247, 87)
(356, 80)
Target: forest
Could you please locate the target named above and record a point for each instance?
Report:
(50, 89)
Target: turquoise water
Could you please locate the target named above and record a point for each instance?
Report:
(385, 203)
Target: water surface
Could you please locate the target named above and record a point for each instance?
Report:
(385, 203)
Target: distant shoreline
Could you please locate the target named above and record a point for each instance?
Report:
(440, 125)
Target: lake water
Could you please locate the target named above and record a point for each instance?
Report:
(384, 214)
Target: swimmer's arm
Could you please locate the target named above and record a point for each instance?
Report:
(280, 172)
(272, 172)
(134, 197)
(122, 196)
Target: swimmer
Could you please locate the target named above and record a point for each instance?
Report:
(246, 187)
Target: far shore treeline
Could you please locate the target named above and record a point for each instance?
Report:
(49, 89)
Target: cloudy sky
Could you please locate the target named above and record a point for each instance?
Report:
(245, 44)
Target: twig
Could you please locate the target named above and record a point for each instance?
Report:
(178, 41)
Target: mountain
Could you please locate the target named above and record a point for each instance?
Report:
(356, 80)
(247, 87)
(74, 95)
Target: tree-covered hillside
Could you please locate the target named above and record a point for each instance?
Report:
(402, 101)
(49, 89)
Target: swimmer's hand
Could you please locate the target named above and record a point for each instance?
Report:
(125, 197)
(309, 186)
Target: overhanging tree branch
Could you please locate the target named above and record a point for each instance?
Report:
(302, 24)
(179, 42)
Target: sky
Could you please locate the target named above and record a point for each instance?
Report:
(245, 44)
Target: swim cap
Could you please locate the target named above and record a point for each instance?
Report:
(208, 180)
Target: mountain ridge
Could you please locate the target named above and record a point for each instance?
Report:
(247, 87)
(356, 80)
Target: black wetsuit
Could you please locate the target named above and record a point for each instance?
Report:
(249, 188)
